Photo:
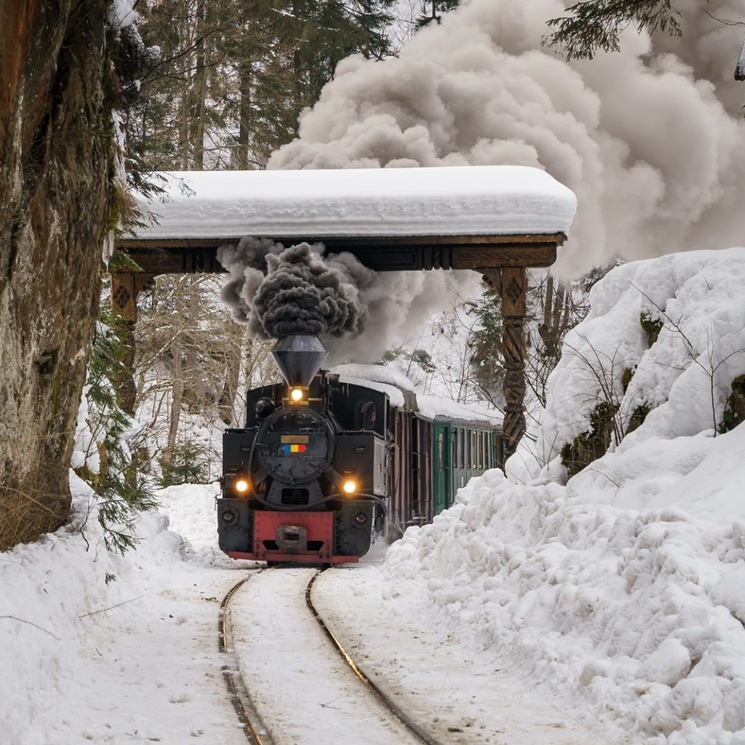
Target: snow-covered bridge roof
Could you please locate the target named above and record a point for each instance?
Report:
(461, 217)
(462, 200)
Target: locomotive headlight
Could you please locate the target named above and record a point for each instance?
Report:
(296, 395)
(241, 485)
(349, 486)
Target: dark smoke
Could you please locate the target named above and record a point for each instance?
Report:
(301, 294)
(280, 291)
(246, 266)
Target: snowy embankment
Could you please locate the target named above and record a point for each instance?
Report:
(103, 648)
(622, 589)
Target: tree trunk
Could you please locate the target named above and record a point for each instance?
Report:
(244, 127)
(199, 90)
(176, 399)
(226, 402)
(55, 201)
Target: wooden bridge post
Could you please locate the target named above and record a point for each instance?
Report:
(511, 283)
(125, 288)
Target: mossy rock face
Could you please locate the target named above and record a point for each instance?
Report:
(651, 327)
(589, 446)
(734, 408)
(637, 417)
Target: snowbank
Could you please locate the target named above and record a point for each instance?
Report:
(623, 590)
(695, 302)
(63, 600)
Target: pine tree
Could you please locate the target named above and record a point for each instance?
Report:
(433, 10)
(109, 464)
(594, 25)
(232, 76)
(487, 362)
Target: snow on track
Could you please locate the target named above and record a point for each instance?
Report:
(459, 695)
(303, 691)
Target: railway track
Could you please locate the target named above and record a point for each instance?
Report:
(274, 661)
(374, 689)
(247, 715)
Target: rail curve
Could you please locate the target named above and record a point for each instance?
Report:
(374, 689)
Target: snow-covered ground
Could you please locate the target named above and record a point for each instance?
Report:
(618, 594)
(623, 587)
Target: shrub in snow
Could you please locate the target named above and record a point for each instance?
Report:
(660, 348)
(187, 463)
(105, 435)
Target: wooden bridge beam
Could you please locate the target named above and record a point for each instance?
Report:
(502, 260)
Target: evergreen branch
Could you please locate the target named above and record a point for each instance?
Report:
(597, 24)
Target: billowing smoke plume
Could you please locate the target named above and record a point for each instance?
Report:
(303, 295)
(648, 138)
(280, 291)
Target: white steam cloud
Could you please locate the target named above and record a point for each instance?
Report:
(649, 138)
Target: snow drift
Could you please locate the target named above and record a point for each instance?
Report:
(623, 588)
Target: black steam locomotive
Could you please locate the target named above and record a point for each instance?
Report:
(324, 465)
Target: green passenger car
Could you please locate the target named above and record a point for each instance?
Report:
(462, 450)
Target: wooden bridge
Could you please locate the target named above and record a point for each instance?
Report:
(496, 220)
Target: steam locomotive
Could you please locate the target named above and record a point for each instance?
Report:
(324, 465)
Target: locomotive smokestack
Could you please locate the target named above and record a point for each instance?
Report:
(299, 357)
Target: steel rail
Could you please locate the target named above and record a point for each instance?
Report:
(387, 702)
(232, 676)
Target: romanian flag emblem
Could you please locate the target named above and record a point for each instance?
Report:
(294, 448)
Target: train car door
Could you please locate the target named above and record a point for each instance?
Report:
(421, 471)
(425, 451)
(442, 467)
(401, 477)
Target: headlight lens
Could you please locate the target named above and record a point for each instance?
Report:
(296, 395)
(241, 485)
(349, 486)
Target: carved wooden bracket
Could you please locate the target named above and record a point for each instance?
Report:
(125, 288)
